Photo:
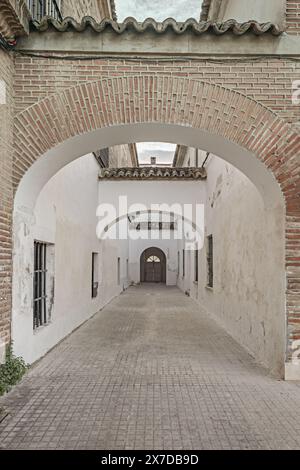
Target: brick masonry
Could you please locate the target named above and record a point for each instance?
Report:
(293, 16)
(6, 156)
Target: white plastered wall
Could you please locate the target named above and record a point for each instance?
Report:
(247, 298)
(65, 216)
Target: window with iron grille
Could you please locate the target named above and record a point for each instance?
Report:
(95, 272)
(183, 263)
(41, 8)
(210, 262)
(40, 316)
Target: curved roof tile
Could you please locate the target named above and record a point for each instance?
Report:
(153, 173)
(131, 24)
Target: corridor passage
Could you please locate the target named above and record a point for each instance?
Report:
(150, 371)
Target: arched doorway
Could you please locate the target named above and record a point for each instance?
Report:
(153, 265)
(242, 131)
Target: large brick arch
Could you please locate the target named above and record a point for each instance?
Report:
(176, 101)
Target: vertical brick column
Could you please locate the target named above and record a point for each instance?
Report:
(6, 195)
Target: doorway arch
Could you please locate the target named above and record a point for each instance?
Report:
(153, 265)
(55, 131)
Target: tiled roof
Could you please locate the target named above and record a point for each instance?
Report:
(141, 173)
(131, 24)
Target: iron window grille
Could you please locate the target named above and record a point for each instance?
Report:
(41, 8)
(210, 262)
(40, 316)
(95, 283)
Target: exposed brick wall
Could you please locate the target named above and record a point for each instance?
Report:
(293, 16)
(6, 155)
(269, 82)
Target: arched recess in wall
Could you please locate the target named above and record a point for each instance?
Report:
(54, 132)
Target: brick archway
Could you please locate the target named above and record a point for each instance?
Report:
(182, 102)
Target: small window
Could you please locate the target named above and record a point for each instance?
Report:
(127, 268)
(183, 263)
(210, 262)
(178, 263)
(43, 283)
(196, 265)
(95, 273)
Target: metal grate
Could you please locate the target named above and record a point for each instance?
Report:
(41, 8)
(39, 285)
(210, 262)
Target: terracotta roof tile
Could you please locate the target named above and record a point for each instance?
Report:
(153, 173)
(131, 24)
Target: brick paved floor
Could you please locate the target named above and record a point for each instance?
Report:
(150, 371)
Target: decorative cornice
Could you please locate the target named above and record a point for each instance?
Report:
(14, 19)
(153, 173)
(130, 24)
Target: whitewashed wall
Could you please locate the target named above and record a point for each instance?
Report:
(65, 215)
(249, 282)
